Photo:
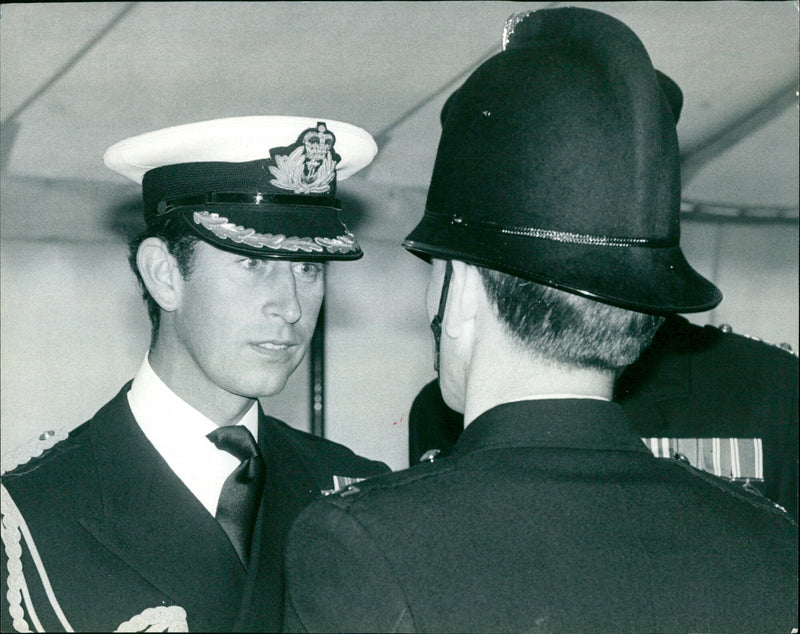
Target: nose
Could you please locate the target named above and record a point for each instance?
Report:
(281, 294)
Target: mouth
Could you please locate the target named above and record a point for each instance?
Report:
(275, 346)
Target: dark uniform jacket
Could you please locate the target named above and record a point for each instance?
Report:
(696, 383)
(693, 384)
(122, 540)
(549, 516)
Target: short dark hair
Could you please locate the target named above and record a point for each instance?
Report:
(567, 328)
(180, 242)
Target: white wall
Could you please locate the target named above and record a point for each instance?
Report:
(756, 267)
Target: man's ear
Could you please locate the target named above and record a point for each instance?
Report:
(463, 298)
(160, 273)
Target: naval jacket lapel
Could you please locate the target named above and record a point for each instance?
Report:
(156, 526)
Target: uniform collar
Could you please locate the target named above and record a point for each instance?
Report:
(565, 423)
(178, 432)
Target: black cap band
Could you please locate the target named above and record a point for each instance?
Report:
(209, 199)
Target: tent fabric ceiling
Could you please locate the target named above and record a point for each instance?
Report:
(77, 77)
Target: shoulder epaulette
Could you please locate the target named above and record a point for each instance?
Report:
(786, 347)
(394, 479)
(741, 491)
(26, 452)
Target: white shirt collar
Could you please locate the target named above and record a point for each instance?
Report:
(178, 432)
(539, 397)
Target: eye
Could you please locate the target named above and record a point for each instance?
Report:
(251, 264)
(307, 271)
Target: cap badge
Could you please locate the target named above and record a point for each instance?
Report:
(511, 24)
(310, 167)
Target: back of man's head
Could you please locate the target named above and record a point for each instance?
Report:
(564, 328)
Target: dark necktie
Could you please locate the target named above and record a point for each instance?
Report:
(241, 492)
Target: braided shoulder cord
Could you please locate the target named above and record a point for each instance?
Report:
(10, 535)
(158, 619)
(13, 529)
(13, 524)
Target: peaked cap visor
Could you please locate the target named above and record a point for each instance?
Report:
(306, 233)
(235, 207)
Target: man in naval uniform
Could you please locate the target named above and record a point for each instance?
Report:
(725, 402)
(169, 508)
(552, 223)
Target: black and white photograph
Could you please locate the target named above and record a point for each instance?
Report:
(457, 316)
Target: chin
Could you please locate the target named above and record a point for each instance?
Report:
(259, 386)
(453, 400)
(456, 406)
(271, 388)
(269, 379)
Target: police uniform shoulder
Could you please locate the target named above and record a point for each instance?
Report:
(395, 481)
(727, 329)
(39, 450)
(740, 490)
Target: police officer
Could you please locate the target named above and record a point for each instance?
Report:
(723, 401)
(552, 223)
(169, 508)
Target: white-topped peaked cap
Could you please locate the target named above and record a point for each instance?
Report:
(260, 185)
(233, 140)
